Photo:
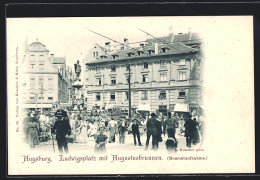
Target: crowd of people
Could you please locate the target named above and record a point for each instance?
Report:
(104, 127)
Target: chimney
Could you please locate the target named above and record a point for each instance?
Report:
(126, 43)
(52, 55)
(156, 48)
(170, 31)
(107, 46)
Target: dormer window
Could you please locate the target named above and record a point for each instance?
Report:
(114, 56)
(164, 49)
(150, 51)
(140, 51)
(103, 57)
(130, 54)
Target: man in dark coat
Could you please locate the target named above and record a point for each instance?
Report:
(190, 128)
(121, 130)
(61, 128)
(171, 125)
(135, 131)
(152, 130)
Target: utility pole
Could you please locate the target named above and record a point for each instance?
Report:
(129, 90)
(36, 98)
(41, 92)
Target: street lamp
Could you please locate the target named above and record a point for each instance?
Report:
(129, 89)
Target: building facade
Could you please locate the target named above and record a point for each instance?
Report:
(162, 75)
(44, 78)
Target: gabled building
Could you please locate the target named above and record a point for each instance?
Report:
(44, 78)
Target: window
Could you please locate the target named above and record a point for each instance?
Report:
(182, 62)
(41, 97)
(97, 69)
(182, 94)
(113, 80)
(145, 65)
(163, 63)
(50, 81)
(145, 77)
(126, 95)
(32, 96)
(41, 58)
(113, 68)
(114, 56)
(164, 50)
(182, 75)
(98, 97)
(163, 77)
(162, 95)
(140, 52)
(50, 96)
(130, 54)
(32, 81)
(41, 81)
(144, 95)
(112, 96)
(98, 81)
(41, 66)
(150, 51)
(32, 65)
(94, 54)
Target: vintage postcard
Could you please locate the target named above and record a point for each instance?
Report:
(130, 95)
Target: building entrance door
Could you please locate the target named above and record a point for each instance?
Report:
(163, 110)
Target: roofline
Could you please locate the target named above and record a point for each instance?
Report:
(125, 59)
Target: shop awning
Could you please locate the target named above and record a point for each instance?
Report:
(181, 108)
(144, 107)
(38, 105)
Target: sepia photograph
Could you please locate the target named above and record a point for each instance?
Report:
(130, 95)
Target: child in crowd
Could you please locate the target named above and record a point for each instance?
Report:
(101, 139)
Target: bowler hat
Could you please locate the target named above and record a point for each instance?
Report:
(153, 115)
(60, 113)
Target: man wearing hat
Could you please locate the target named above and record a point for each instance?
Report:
(61, 128)
(152, 130)
(136, 133)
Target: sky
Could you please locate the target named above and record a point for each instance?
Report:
(70, 37)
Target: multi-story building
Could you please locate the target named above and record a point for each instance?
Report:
(163, 74)
(44, 77)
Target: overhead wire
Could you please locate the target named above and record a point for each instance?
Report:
(137, 42)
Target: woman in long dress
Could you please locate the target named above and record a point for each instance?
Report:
(33, 130)
(83, 132)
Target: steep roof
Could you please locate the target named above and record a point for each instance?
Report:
(104, 49)
(37, 46)
(173, 48)
(187, 38)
